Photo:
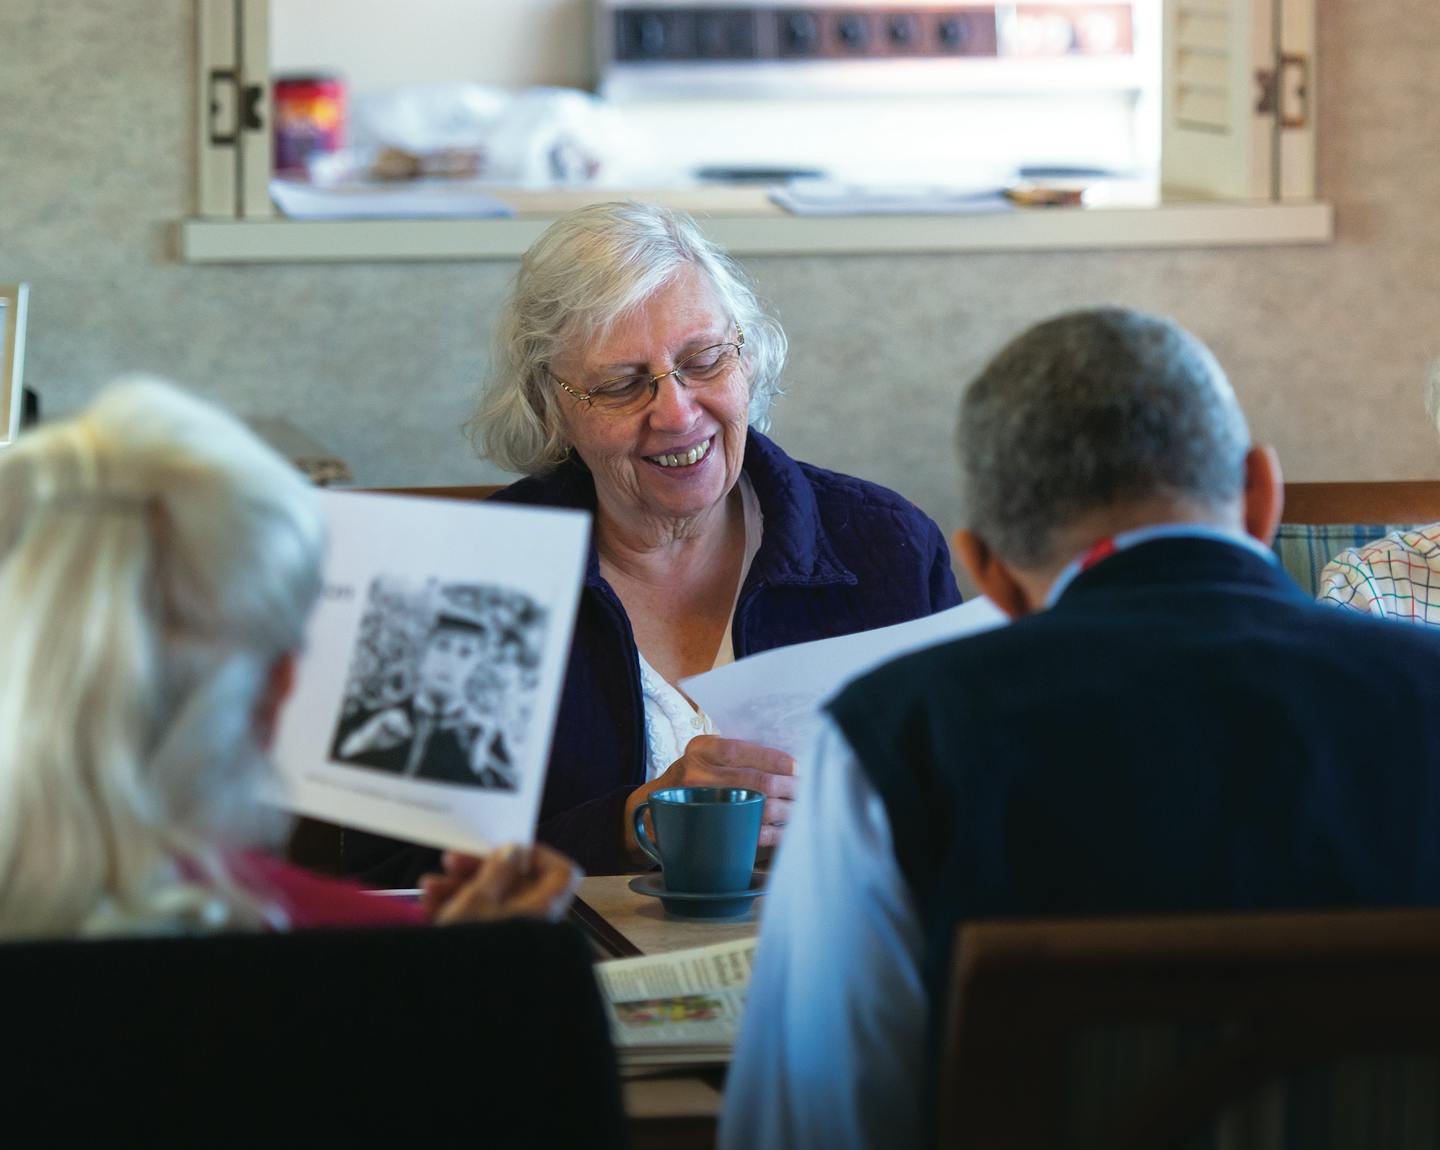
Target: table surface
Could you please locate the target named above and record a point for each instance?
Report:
(677, 1096)
(673, 1110)
(624, 924)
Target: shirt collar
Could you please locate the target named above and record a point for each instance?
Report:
(1128, 539)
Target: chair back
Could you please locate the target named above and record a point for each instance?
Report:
(1405, 501)
(473, 493)
(1321, 520)
(1136, 1033)
(490, 1034)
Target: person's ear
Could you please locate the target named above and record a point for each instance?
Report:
(279, 682)
(995, 578)
(1264, 494)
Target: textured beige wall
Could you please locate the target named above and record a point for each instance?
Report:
(1327, 345)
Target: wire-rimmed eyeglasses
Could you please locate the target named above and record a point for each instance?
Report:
(627, 393)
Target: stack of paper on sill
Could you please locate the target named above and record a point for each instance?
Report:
(416, 199)
(679, 1010)
(831, 198)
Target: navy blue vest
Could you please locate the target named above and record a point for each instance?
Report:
(1182, 731)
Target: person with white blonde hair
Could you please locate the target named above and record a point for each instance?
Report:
(157, 566)
(633, 379)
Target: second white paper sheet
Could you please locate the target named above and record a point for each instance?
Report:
(427, 692)
(774, 698)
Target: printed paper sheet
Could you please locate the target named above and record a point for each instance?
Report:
(426, 697)
(774, 698)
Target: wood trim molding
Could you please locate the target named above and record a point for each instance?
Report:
(475, 492)
(1408, 501)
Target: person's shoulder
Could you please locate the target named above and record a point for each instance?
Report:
(1422, 540)
(1376, 632)
(878, 533)
(567, 485)
(1393, 576)
(837, 492)
(1420, 543)
(527, 489)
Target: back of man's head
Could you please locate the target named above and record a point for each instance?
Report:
(1092, 411)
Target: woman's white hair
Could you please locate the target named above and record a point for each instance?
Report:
(156, 559)
(588, 270)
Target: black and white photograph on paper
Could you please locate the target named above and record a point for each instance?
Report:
(441, 682)
(424, 701)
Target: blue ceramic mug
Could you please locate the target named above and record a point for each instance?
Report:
(705, 837)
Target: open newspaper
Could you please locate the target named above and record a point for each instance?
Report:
(677, 1010)
(426, 696)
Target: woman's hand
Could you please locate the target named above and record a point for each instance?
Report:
(710, 761)
(511, 882)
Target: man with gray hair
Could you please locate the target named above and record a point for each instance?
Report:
(1157, 730)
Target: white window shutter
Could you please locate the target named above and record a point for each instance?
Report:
(233, 102)
(1296, 97)
(1237, 99)
(257, 140)
(1213, 140)
(218, 107)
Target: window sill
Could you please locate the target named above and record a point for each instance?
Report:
(760, 229)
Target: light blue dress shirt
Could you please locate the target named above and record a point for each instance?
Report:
(831, 1045)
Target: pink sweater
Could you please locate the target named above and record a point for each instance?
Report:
(317, 901)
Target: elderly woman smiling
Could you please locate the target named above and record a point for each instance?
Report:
(634, 377)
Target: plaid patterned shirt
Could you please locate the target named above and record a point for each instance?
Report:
(1397, 577)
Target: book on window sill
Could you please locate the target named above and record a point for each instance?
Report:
(679, 1010)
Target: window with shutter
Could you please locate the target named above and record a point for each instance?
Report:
(233, 101)
(1235, 122)
(1237, 116)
